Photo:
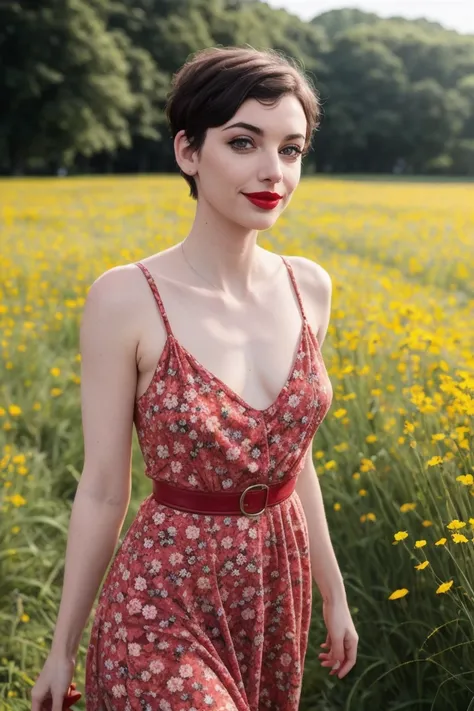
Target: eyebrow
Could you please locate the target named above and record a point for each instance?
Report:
(260, 131)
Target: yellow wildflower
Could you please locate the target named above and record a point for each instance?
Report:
(422, 566)
(434, 461)
(397, 594)
(404, 508)
(441, 542)
(420, 544)
(444, 587)
(400, 535)
(455, 524)
(459, 538)
(466, 479)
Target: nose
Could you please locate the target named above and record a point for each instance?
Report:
(270, 168)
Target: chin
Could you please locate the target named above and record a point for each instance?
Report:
(258, 222)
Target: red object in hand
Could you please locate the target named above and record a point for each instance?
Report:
(71, 698)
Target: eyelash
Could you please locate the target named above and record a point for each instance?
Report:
(232, 143)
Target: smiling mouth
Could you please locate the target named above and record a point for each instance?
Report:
(264, 200)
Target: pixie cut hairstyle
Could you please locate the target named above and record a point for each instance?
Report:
(213, 83)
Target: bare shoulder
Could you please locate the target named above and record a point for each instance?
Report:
(315, 285)
(117, 297)
(311, 274)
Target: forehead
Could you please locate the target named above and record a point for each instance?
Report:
(286, 116)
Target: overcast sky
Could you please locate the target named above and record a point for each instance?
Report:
(454, 14)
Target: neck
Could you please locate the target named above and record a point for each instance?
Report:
(223, 253)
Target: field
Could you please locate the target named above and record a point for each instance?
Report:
(395, 453)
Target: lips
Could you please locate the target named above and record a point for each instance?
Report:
(265, 200)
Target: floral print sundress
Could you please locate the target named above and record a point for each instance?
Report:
(211, 611)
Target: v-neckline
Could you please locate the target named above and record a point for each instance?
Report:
(227, 389)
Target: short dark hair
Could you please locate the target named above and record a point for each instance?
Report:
(213, 83)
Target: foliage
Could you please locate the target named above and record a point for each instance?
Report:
(84, 83)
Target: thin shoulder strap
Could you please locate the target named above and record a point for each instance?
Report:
(157, 296)
(295, 285)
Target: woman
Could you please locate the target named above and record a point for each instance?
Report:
(208, 601)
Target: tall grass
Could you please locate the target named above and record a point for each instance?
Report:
(394, 455)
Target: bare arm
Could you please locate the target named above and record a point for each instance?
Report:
(324, 566)
(108, 385)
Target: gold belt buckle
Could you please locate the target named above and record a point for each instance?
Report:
(242, 496)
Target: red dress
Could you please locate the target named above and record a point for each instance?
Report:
(211, 611)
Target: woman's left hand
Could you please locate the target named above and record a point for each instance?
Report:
(342, 638)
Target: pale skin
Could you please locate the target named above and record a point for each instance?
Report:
(243, 326)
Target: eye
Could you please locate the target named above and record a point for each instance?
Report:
(236, 141)
(297, 149)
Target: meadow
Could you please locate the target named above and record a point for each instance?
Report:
(394, 455)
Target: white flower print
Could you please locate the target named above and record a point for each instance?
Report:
(145, 675)
(212, 423)
(186, 671)
(193, 532)
(190, 394)
(203, 583)
(176, 467)
(155, 566)
(149, 612)
(253, 467)
(227, 542)
(162, 451)
(175, 684)
(170, 401)
(119, 690)
(158, 518)
(176, 558)
(140, 583)
(256, 452)
(156, 666)
(293, 401)
(233, 453)
(248, 613)
(134, 606)
(160, 387)
(178, 448)
(285, 659)
(134, 649)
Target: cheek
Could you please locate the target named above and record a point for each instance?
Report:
(221, 167)
(293, 176)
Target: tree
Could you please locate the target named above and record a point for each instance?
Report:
(63, 81)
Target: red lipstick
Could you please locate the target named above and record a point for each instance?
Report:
(265, 200)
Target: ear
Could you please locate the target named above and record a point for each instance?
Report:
(186, 156)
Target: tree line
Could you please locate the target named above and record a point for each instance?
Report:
(84, 83)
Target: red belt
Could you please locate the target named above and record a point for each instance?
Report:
(250, 502)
